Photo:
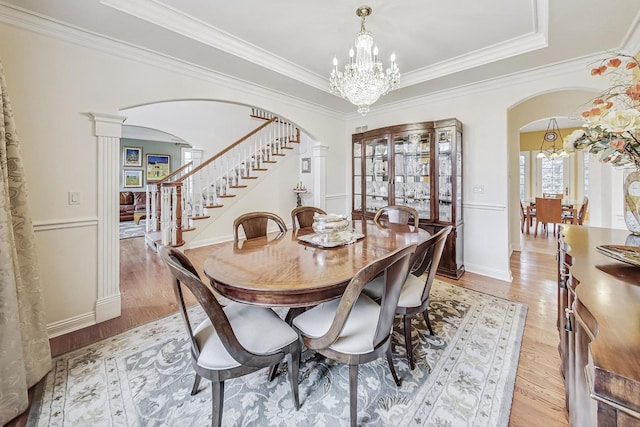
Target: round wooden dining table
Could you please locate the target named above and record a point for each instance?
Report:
(280, 270)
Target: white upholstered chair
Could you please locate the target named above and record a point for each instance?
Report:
(232, 341)
(355, 329)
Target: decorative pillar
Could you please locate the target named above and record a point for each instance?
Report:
(108, 130)
(319, 169)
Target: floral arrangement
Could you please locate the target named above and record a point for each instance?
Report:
(612, 124)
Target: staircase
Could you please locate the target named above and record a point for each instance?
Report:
(191, 193)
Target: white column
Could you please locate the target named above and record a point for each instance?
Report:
(108, 129)
(319, 170)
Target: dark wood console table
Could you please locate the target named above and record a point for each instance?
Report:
(599, 326)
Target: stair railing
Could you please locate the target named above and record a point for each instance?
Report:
(193, 194)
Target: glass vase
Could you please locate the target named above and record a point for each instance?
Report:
(631, 194)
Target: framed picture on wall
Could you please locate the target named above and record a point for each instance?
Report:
(158, 166)
(132, 179)
(131, 156)
(306, 165)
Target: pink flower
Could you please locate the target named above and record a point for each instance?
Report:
(617, 143)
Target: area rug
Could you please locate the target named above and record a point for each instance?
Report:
(129, 229)
(464, 376)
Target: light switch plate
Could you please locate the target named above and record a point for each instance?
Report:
(74, 198)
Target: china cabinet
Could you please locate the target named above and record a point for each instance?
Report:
(417, 165)
(599, 327)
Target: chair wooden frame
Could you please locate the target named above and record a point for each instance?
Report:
(396, 265)
(579, 217)
(425, 261)
(255, 224)
(302, 217)
(548, 211)
(396, 214)
(185, 274)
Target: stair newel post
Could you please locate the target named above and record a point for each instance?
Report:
(158, 206)
(177, 224)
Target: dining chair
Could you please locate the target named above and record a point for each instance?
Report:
(414, 295)
(355, 329)
(303, 216)
(548, 211)
(396, 214)
(568, 216)
(255, 224)
(524, 219)
(232, 341)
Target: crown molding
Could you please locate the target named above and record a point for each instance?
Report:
(631, 41)
(30, 21)
(171, 19)
(535, 40)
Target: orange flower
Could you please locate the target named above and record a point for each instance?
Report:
(634, 92)
(598, 101)
(614, 62)
(599, 71)
(631, 64)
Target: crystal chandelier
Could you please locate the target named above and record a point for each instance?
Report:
(364, 80)
(552, 135)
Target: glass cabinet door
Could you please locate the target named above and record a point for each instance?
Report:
(357, 176)
(445, 182)
(376, 174)
(412, 163)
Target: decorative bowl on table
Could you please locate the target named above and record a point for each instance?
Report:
(329, 226)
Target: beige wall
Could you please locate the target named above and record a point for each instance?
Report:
(56, 79)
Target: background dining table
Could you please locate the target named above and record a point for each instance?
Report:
(281, 270)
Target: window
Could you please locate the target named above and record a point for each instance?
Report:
(585, 172)
(552, 174)
(525, 176)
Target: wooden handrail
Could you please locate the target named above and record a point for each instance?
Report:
(229, 148)
(174, 173)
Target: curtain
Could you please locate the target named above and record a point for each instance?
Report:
(25, 355)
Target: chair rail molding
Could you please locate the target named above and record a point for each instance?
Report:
(108, 130)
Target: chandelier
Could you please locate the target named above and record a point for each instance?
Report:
(551, 136)
(363, 80)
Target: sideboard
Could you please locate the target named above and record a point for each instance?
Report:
(599, 327)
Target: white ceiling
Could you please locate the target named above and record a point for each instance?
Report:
(288, 46)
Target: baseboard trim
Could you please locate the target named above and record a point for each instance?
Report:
(71, 324)
(108, 308)
(490, 272)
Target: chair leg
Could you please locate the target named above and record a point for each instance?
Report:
(217, 398)
(407, 340)
(196, 384)
(294, 367)
(425, 314)
(391, 367)
(353, 394)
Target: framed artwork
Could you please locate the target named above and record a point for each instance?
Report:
(158, 166)
(306, 165)
(131, 156)
(132, 179)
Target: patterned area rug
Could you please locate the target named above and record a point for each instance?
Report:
(129, 229)
(464, 376)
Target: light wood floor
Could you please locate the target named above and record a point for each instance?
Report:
(539, 392)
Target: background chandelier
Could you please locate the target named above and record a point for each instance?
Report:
(551, 136)
(364, 80)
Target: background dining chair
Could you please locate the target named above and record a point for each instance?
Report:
(548, 211)
(524, 220)
(396, 214)
(567, 216)
(414, 295)
(232, 341)
(354, 329)
(255, 224)
(303, 216)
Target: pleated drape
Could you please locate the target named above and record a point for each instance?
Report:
(25, 355)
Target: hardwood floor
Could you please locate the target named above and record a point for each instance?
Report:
(538, 399)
